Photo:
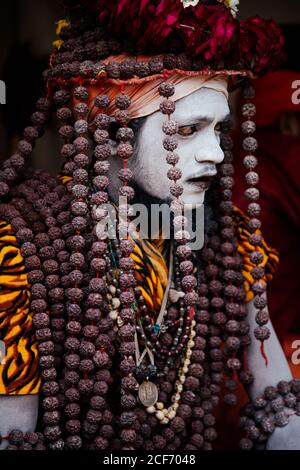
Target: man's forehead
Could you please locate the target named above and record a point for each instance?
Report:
(202, 105)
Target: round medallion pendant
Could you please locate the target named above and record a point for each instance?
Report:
(148, 393)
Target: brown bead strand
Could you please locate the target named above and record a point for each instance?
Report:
(170, 144)
(64, 116)
(56, 282)
(252, 194)
(125, 151)
(209, 336)
(178, 423)
(78, 227)
(15, 165)
(71, 269)
(230, 261)
(198, 368)
(98, 425)
(17, 440)
(261, 416)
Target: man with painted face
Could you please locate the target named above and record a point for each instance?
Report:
(199, 116)
(128, 341)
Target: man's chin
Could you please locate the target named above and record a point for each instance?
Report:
(193, 200)
(189, 197)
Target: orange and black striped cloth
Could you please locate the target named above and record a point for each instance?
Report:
(19, 373)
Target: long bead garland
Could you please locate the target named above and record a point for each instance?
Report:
(252, 194)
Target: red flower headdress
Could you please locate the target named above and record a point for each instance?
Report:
(206, 30)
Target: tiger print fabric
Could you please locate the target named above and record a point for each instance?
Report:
(270, 255)
(19, 375)
(152, 271)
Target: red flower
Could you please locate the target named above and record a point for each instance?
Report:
(131, 19)
(161, 24)
(215, 32)
(208, 32)
(205, 30)
(146, 23)
(261, 44)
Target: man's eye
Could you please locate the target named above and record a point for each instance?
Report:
(218, 127)
(185, 131)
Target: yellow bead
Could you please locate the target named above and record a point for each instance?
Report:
(112, 290)
(150, 409)
(160, 415)
(191, 344)
(113, 314)
(175, 398)
(116, 303)
(159, 405)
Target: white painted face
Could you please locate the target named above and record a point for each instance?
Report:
(199, 117)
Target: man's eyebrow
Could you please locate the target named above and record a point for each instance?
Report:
(194, 120)
(204, 118)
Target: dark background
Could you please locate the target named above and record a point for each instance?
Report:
(27, 29)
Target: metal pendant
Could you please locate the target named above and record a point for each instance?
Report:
(148, 393)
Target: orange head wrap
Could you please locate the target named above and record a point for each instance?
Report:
(144, 95)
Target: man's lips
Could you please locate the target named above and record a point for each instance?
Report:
(202, 181)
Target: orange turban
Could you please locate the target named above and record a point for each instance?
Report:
(145, 97)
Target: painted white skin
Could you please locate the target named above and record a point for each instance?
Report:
(288, 437)
(19, 412)
(199, 152)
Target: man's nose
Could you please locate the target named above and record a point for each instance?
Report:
(208, 149)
